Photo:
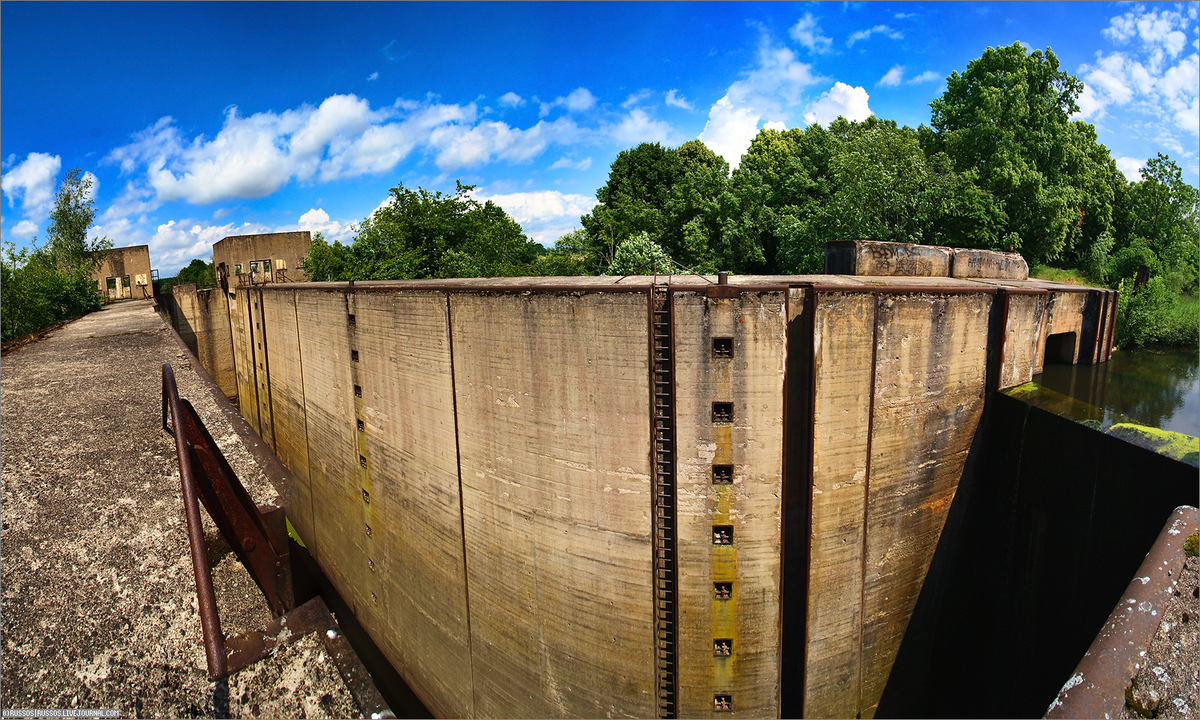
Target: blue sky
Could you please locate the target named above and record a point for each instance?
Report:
(201, 120)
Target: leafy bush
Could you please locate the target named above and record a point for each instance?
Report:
(37, 293)
(1154, 316)
(639, 255)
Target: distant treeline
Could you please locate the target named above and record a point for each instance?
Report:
(1001, 166)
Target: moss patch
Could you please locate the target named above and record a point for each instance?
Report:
(1191, 546)
(1176, 446)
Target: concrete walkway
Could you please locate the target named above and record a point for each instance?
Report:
(97, 598)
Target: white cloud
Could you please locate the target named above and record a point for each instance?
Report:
(638, 127)
(808, 34)
(892, 77)
(1152, 76)
(839, 100)
(33, 182)
(675, 99)
(776, 126)
(774, 85)
(902, 16)
(927, 76)
(877, 30)
(511, 99)
(254, 156)
(635, 98)
(317, 220)
(24, 229)
(1131, 167)
(544, 215)
(373, 77)
(577, 100)
(566, 162)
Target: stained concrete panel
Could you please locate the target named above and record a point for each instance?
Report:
(287, 405)
(843, 357)
(553, 401)
(243, 358)
(931, 357)
(1064, 314)
(404, 363)
(753, 381)
(972, 263)
(257, 327)
(1022, 331)
(202, 320)
(867, 257)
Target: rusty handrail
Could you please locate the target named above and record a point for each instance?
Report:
(210, 622)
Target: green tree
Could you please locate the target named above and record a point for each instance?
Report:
(199, 272)
(70, 221)
(1156, 223)
(1005, 122)
(639, 255)
(422, 234)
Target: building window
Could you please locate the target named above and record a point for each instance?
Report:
(237, 269)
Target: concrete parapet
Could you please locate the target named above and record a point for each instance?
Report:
(869, 257)
(972, 263)
(202, 320)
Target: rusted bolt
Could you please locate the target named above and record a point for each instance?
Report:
(248, 543)
(723, 278)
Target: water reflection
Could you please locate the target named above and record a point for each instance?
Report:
(1158, 387)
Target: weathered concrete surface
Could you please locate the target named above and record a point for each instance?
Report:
(554, 446)
(866, 257)
(1023, 336)
(98, 607)
(1168, 683)
(202, 320)
(753, 381)
(971, 263)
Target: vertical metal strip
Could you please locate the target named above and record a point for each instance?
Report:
(662, 389)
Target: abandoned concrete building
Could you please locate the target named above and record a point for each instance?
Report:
(125, 273)
(258, 259)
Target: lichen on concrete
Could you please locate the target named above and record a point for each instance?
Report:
(1166, 684)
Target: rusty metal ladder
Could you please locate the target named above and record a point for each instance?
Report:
(665, 576)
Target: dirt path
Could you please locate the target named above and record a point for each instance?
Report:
(97, 598)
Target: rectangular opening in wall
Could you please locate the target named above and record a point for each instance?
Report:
(723, 590)
(362, 426)
(350, 321)
(722, 534)
(722, 474)
(1060, 348)
(722, 412)
(722, 703)
(722, 647)
(723, 347)
(353, 356)
(358, 391)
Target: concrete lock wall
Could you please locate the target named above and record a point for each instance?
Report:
(202, 320)
(474, 471)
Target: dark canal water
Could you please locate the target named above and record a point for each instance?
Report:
(1157, 387)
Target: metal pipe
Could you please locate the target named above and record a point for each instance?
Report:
(210, 622)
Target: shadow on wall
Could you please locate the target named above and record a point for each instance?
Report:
(1050, 523)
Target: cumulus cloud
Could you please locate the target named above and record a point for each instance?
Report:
(24, 229)
(317, 220)
(373, 77)
(578, 100)
(877, 30)
(638, 127)
(1153, 74)
(676, 100)
(511, 99)
(1131, 167)
(32, 182)
(544, 215)
(840, 100)
(927, 76)
(778, 126)
(807, 32)
(892, 77)
(343, 137)
(775, 84)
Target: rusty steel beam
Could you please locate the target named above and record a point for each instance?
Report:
(210, 622)
(257, 536)
(1097, 687)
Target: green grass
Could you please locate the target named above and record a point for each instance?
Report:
(1053, 274)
